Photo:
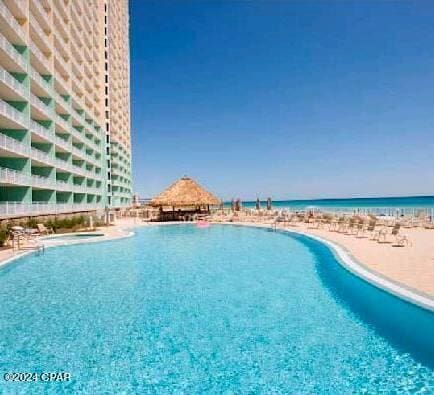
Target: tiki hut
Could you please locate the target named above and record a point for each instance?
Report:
(182, 200)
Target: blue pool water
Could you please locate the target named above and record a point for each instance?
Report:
(177, 309)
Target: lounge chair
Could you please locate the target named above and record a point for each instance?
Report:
(400, 240)
(363, 228)
(43, 230)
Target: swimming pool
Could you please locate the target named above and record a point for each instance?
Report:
(71, 237)
(182, 309)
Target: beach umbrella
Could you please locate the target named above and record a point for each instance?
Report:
(233, 205)
(269, 204)
(258, 204)
(237, 205)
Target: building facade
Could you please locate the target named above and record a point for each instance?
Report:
(117, 102)
(57, 148)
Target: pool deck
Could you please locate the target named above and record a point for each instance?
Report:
(406, 271)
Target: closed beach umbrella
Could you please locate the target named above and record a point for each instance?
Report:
(269, 204)
(258, 204)
(237, 205)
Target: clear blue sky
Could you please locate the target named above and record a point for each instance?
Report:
(292, 99)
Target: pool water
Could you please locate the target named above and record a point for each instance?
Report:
(178, 309)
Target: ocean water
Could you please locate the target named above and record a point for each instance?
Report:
(178, 309)
(382, 204)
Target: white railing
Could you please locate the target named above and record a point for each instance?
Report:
(10, 112)
(12, 145)
(63, 186)
(40, 32)
(42, 11)
(41, 156)
(15, 177)
(61, 81)
(39, 55)
(42, 182)
(40, 105)
(10, 176)
(38, 78)
(41, 131)
(15, 209)
(11, 20)
(10, 81)
(61, 22)
(61, 101)
(62, 143)
(60, 121)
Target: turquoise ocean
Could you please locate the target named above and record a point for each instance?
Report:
(382, 204)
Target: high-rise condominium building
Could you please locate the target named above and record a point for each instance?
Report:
(64, 106)
(117, 101)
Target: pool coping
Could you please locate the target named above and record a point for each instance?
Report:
(344, 257)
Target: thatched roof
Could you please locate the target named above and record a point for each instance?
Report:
(185, 192)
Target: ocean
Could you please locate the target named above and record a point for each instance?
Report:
(382, 204)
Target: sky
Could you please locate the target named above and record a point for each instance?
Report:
(288, 99)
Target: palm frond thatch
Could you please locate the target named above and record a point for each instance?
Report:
(185, 192)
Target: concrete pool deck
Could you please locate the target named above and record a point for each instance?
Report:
(409, 269)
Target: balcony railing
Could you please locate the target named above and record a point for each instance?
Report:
(39, 31)
(16, 209)
(37, 53)
(41, 106)
(12, 83)
(11, 21)
(42, 11)
(10, 176)
(10, 112)
(41, 131)
(12, 52)
(12, 145)
(40, 81)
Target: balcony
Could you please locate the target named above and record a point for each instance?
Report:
(39, 61)
(42, 157)
(41, 13)
(40, 131)
(41, 82)
(10, 118)
(10, 27)
(42, 182)
(65, 145)
(62, 123)
(13, 146)
(12, 88)
(10, 57)
(61, 24)
(13, 177)
(38, 35)
(42, 110)
(17, 209)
